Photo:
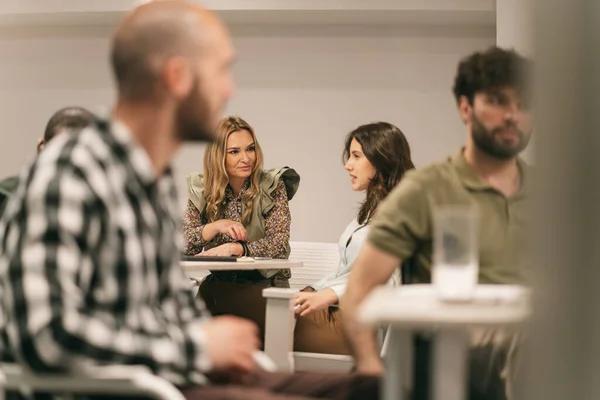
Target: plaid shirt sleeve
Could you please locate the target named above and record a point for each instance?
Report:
(53, 250)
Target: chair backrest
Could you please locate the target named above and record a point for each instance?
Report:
(319, 259)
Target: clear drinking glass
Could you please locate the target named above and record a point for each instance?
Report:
(455, 251)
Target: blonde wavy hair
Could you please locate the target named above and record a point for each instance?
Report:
(215, 174)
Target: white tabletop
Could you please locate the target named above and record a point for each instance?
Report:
(417, 306)
(203, 266)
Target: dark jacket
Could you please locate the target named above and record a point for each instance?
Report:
(7, 188)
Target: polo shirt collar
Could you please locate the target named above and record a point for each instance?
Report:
(471, 180)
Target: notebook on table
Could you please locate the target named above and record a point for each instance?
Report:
(209, 258)
(185, 257)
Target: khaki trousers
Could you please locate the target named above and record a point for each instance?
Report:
(321, 332)
(493, 365)
(495, 360)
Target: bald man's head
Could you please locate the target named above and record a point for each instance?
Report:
(173, 50)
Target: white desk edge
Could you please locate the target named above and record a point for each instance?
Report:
(190, 266)
(388, 306)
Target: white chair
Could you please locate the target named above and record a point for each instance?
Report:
(120, 380)
(279, 338)
(319, 259)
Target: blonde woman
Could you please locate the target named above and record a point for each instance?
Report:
(239, 209)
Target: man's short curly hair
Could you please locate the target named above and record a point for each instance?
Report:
(485, 71)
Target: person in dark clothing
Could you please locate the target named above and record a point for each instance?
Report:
(67, 119)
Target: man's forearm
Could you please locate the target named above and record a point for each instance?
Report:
(362, 339)
(60, 344)
(372, 268)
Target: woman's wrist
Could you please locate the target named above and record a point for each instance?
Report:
(246, 250)
(332, 296)
(209, 232)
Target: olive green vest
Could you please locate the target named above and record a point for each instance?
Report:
(263, 204)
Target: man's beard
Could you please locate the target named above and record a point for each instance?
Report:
(193, 118)
(487, 141)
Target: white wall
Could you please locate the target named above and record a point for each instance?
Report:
(302, 87)
(514, 30)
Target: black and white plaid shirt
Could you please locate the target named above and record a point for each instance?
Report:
(89, 262)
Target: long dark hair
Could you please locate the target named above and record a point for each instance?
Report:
(388, 151)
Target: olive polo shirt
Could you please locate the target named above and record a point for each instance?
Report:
(403, 224)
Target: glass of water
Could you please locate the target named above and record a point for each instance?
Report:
(455, 251)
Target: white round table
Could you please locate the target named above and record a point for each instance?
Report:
(411, 308)
(195, 268)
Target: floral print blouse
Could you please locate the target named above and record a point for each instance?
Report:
(277, 226)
